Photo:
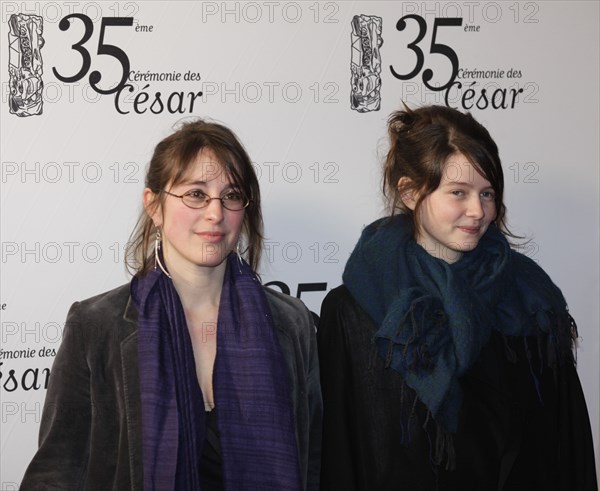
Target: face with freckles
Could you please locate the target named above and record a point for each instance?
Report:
(197, 238)
(454, 217)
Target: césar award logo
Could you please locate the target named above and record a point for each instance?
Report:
(365, 63)
(25, 66)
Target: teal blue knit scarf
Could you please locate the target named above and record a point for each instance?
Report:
(433, 318)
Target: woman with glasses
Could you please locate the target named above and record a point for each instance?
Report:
(193, 376)
(446, 356)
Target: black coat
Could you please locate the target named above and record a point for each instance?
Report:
(509, 438)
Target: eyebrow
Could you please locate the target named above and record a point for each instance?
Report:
(199, 182)
(462, 183)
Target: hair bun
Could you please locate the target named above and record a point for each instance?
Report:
(401, 121)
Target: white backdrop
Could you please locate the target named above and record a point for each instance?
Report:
(279, 74)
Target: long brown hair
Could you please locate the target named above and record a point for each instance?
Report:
(169, 165)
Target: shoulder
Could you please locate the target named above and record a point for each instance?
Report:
(342, 317)
(289, 313)
(283, 305)
(107, 317)
(528, 269)
(533, 281)
(340, 301)
(339, 295)
(116, 295)
(95, 326)
(112, 302)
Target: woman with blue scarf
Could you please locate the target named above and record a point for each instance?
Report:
(446, 356)
(193, 376)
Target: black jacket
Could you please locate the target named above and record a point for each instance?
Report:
(90, 434)
(509, 438)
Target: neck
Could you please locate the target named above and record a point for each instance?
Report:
(199, 287)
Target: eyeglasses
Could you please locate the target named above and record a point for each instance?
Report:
(232, 201)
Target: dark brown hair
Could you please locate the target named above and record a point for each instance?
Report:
(422, 140)
(170, 163)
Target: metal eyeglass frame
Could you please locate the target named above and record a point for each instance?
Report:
(207, 201)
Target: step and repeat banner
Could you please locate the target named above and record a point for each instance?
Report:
(89, 88)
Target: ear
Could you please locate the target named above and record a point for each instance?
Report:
(152, 206)
(407, 194)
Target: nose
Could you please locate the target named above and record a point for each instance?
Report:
(214, 210)
(475, 208)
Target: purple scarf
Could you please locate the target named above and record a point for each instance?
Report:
(251, 389)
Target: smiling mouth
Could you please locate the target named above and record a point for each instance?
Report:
(213, 237)
(470, 230)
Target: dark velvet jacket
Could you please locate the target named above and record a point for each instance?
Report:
(90, 434)
(508, 437)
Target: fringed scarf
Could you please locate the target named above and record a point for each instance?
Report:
(251, 389)
(433, 318)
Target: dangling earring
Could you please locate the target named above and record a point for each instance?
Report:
(239, 256)
(237, 251)
(157, 243)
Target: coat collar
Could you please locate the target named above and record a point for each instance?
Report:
(131, 313)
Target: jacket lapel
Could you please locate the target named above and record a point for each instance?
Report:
(131, 392)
